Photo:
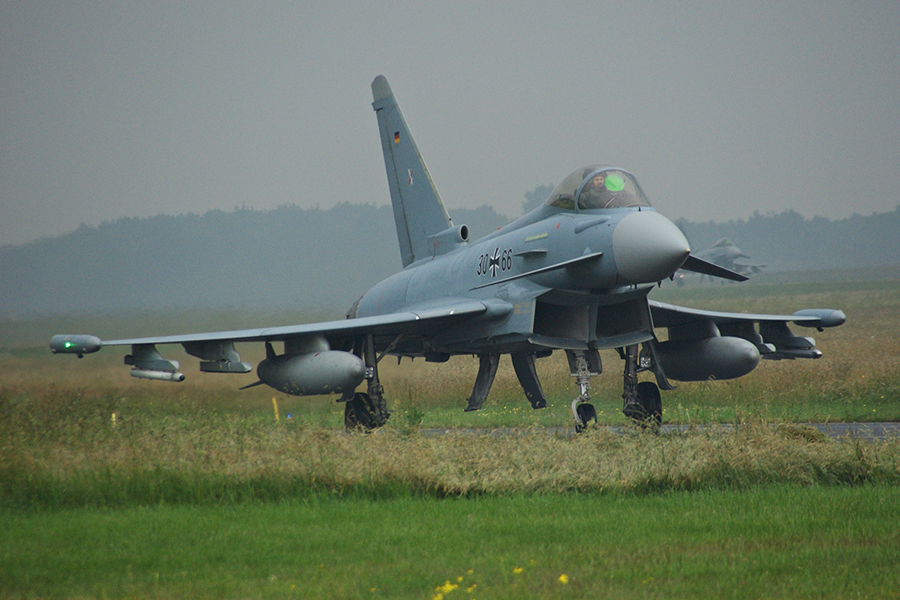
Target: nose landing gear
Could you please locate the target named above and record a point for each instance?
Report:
(642, 401)
(582, 366)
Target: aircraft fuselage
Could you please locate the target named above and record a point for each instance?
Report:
(543, 277)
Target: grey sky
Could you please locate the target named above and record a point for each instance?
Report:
(112, 109)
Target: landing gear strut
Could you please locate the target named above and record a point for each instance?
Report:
(642, 402)
(582, 366)
(367, 411)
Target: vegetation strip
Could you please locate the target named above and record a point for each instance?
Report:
(183, 461)
(767, 542)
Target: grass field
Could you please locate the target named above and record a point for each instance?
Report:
(112, 487)
(774, 542)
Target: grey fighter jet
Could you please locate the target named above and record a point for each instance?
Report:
(725, 254)
(572, 275)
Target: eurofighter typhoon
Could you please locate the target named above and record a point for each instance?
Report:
(573, 275)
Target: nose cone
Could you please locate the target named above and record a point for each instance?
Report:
(647, 247)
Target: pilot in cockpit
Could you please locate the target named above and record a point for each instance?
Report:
(595, 194)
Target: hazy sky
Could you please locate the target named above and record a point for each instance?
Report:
(115, 109)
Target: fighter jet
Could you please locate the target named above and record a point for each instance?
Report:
(573, 275)
(725, 254)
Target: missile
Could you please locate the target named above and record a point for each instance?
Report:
(312, 374)
(722, 357)
(160, 375)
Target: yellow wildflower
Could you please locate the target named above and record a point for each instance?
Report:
(563, 579)
(447, 587)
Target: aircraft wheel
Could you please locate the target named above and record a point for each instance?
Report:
(360, 413)
(651, 403)
(586, 414)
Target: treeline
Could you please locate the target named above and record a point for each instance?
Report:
(289, 257)
(789, 242)
(292, 257)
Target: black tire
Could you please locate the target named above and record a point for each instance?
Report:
(360, 413)
(651, 403)
(587, 414)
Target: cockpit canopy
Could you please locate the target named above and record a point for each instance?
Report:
(597, 186)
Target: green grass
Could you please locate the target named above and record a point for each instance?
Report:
(777, 542)
(73, 462)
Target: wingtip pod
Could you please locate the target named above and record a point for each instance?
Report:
(75, 344)
(827, 317)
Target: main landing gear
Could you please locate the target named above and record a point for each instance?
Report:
(642, 401)
(367, 411)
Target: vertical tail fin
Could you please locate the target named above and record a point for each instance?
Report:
(418, 210)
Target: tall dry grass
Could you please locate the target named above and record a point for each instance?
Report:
(71, 456)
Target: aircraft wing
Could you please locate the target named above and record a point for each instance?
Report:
(395, 323)
(774, 339)
(671, 315)
(410, 322)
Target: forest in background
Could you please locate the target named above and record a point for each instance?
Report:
(293, 257)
